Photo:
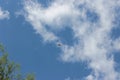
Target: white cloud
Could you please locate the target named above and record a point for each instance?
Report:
(68, 78)
(116, 44)
(3, 14)
(94, 40)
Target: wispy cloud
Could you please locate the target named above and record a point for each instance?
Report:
(3, 14)
(67, 78)
(91, 22)
(116, 44)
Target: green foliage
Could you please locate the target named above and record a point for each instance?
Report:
(30, 77)
(10, 70)
(1, 48)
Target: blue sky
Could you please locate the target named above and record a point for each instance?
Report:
(88, 34)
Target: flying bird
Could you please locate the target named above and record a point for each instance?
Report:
(59, 44)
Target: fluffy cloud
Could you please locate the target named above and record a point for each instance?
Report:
(116, 44)
(3, 14)
(91, 21)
